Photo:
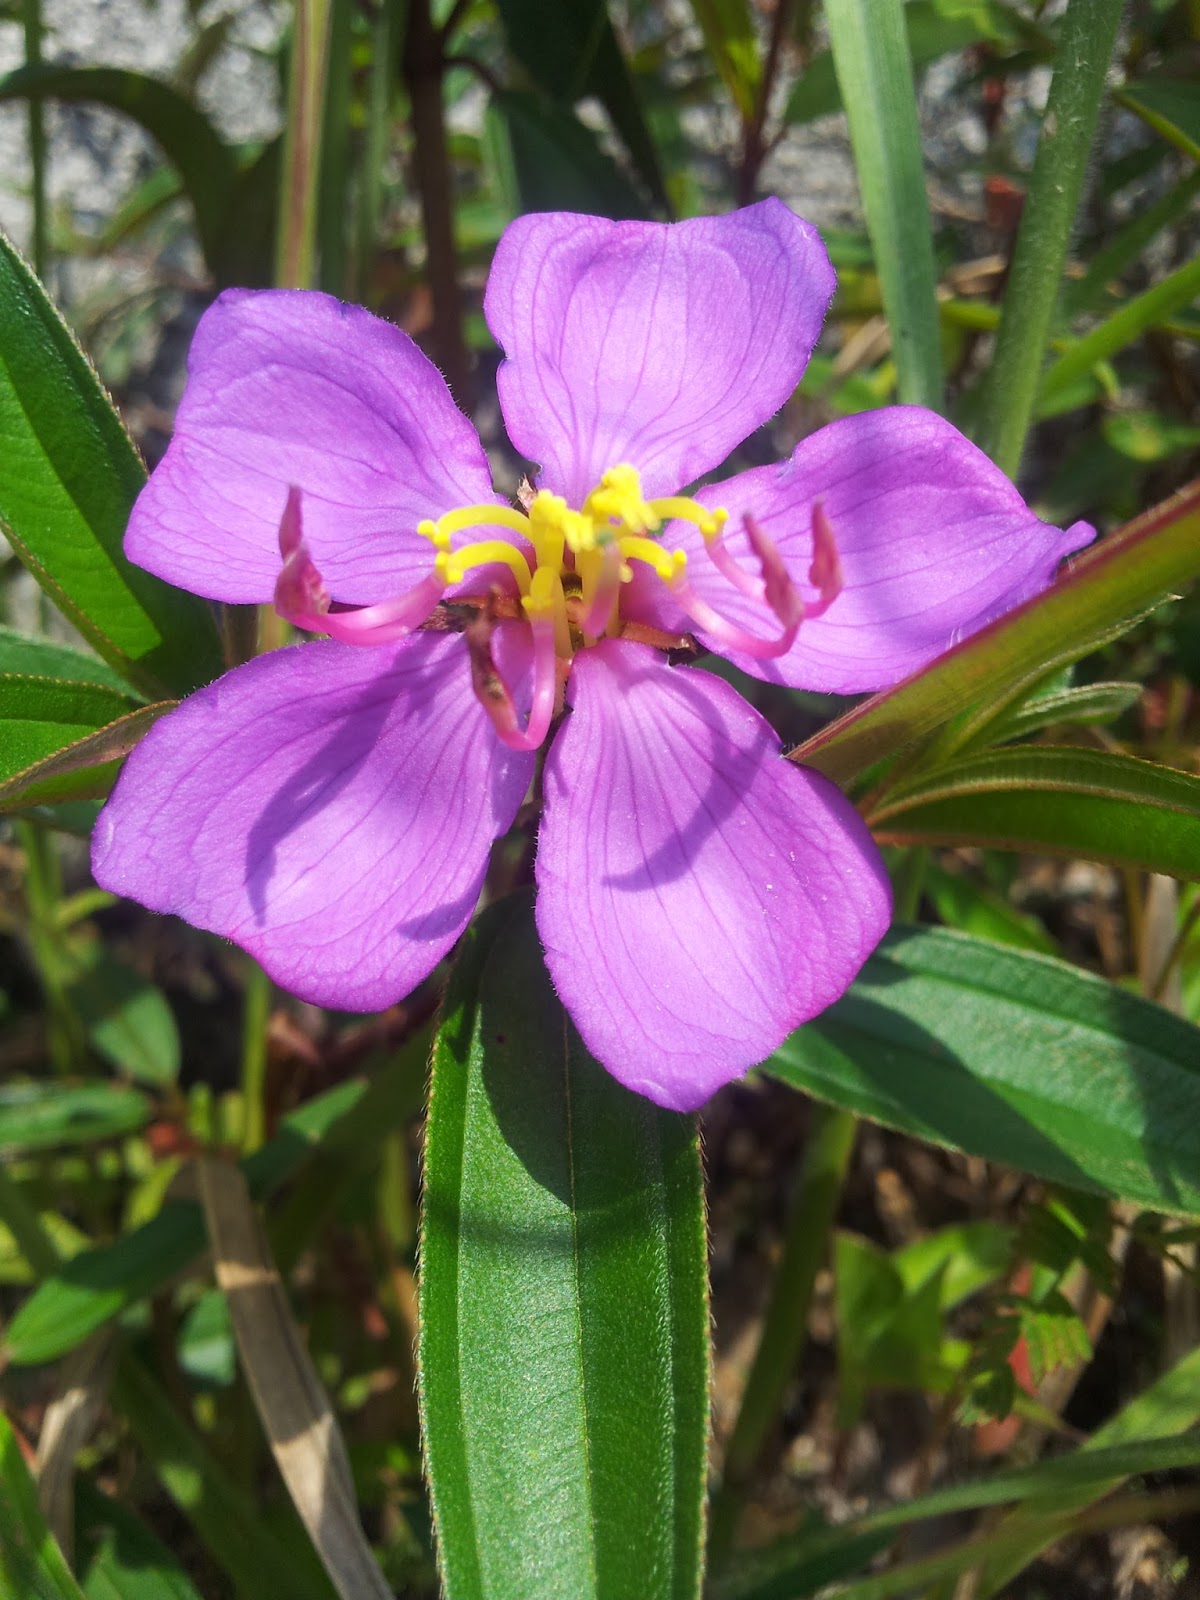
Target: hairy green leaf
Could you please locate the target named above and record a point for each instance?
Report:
(564, 1327)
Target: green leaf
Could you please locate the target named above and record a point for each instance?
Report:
(1124, 246)
(964, 1258)
(728, 29)
(127, 1018)
(84, 769)
(1149, 560)
(206, 1348)
(782, 1571)
(1064, 150)
(571, 51)
(99, 1283)
(564, 1327)
(1048, 799)
(188, 140)
(1147, 436)
(889, 1334)
(23, 656)
(1015, 1057)
(558, 163)
(40, 716)
(31, 1564)
(1144, 311)
(222, 1512)
(1171, 106)
(40, 1116)
(70, 478)
(973, 907)
(870, 54)
(1089, 705)
(119, 1558)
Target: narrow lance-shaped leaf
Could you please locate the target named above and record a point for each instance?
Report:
(870, 54)
(1045, 798)
(31, 1564)
(564, 1361)
(1015, 1057)
(70, 478)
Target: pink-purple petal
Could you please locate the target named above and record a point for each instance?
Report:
(329, 809)
(660, 345)
(934, 543)
(293, 387)
(698, 896)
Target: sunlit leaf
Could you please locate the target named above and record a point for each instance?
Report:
(564, 1327)
(1015, 1057)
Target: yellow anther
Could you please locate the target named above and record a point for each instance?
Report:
(618, 498)
(476, 517)
(439, 536)
(680, 508)
(666, 564)
(552, 524)
(486, 552)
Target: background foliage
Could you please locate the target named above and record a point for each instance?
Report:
(952, 1224)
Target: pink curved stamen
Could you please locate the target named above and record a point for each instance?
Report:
(729, 569)
(825, 573)
(776, 590)
(493, 692)
(302, 599)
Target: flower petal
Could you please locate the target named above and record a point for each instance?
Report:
(934, 542)
(658, 344)
(698, 896)
(292, 387)
(329, 809)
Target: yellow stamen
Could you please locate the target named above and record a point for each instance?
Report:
(680, 508)
(618, 499)
(546, 599)
(473, 517)
(666, 564)
(481, 554)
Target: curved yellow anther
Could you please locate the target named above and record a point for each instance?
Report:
(483, 553)
(665, 564)
(438, 536)
(473, 517)
(680, 508)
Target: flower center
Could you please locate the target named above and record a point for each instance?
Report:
(569, 572)
(580, 558)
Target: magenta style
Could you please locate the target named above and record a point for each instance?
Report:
(331, 806)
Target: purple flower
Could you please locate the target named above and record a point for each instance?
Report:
(331, 807)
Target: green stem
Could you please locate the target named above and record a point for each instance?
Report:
(814, 1208)
(255, 1016)
(1085, 46)
(295, 265)
(32, 19)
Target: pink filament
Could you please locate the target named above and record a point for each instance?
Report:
(775, 589)
(302, 599)
(493, 692)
